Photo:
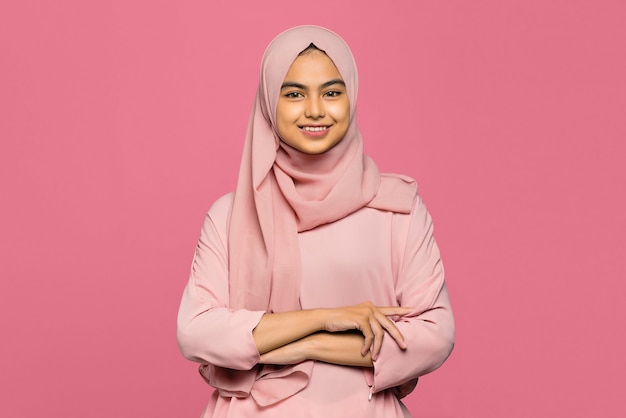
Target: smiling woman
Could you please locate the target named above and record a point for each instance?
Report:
(317, 287)
(313, 111)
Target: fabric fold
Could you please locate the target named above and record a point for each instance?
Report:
(282, 191)
(267, 384)
(276, 383)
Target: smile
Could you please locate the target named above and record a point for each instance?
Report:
(314, 128)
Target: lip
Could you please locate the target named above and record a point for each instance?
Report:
(315, 134)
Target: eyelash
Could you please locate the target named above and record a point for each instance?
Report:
(295, 94)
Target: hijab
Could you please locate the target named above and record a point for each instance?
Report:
(282, 191)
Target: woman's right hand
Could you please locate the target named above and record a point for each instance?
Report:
(371, 320)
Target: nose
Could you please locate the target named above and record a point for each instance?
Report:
(314, 108)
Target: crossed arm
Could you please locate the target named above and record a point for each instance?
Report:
(350, 335)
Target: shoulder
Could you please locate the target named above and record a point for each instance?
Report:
(218, 215)
(405, 189)
(222, 206)
(396, 193)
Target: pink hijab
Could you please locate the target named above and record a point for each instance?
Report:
(282, 191)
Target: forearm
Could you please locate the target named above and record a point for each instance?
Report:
(217, 336)
(372, 322)
(338, 348)
(278, 329)
(342, 348)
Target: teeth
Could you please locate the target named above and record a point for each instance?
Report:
(314, 128)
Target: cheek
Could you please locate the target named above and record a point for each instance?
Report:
(287, 112)
(340, 112)
(285, 121)
(283, 129)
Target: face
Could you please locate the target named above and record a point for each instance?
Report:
(313, 111)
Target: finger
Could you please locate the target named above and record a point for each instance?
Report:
(393, 331)
(368, 339)
(394, 310)
(379, 334)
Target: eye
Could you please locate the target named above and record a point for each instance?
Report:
(293, 95)
(332, 93)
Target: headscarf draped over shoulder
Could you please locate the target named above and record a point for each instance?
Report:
(282, 191)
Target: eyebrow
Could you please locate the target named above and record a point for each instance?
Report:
(303, 87)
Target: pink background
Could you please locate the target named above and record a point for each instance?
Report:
(121, 121)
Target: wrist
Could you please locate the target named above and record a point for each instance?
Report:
(311, 346)
(318, 318)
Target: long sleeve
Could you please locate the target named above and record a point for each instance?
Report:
(429, 329)
(208, 331)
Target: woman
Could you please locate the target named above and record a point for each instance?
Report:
(317, 288)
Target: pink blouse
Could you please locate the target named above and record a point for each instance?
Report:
(343, 263)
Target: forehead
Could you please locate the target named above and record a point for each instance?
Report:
(313, 65)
